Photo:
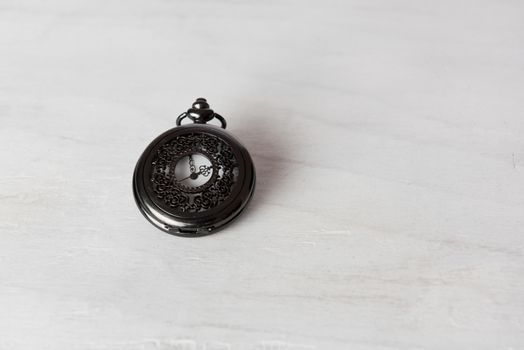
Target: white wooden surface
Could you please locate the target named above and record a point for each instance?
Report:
(388, 138)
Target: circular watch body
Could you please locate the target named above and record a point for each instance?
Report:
(193, 179)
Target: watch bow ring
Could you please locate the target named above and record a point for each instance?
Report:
(195, 178)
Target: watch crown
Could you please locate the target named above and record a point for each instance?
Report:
(200, 113)
(200, 103)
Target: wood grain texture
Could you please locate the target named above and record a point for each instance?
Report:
(388, 138)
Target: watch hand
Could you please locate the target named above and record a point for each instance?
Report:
(185, 178)
(191, 164)
(203, 170)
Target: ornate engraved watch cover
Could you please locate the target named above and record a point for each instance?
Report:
(195, 178)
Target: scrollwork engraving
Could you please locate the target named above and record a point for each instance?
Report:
(197, 199)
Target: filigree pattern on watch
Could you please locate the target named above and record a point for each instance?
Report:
(224, 171)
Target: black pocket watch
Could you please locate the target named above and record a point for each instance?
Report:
(195, 178)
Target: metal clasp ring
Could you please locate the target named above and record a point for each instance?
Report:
(200, 113)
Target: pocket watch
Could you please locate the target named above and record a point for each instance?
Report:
(195, 178)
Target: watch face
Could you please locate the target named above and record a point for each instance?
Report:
(194, 179)
(193, 172)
